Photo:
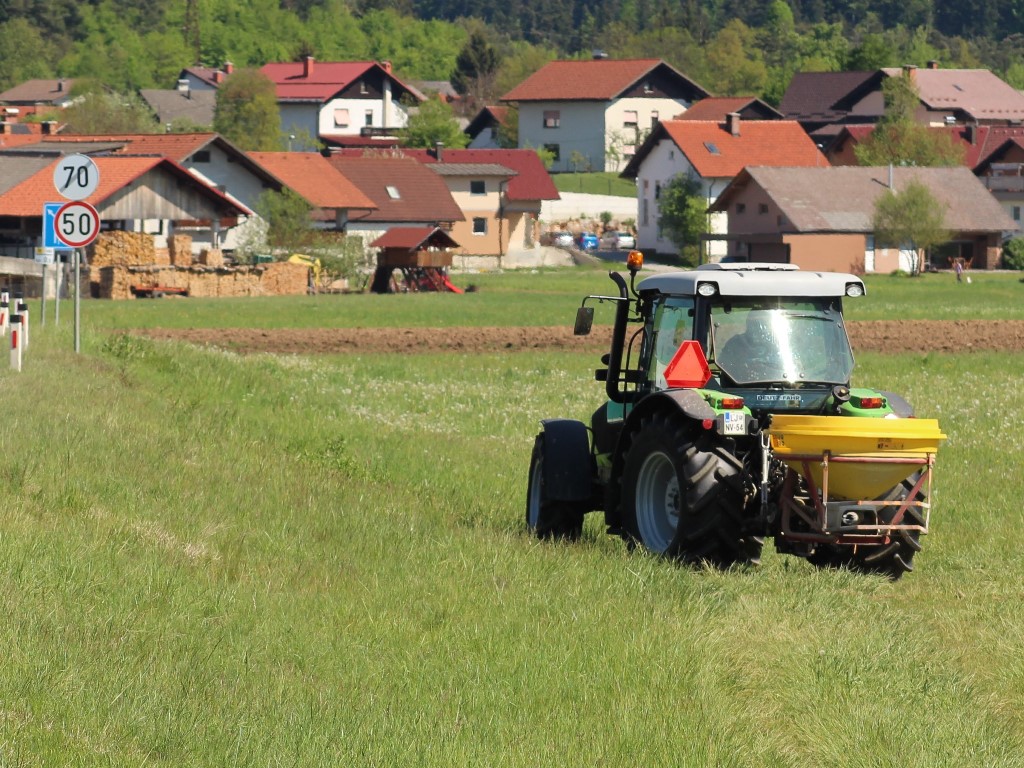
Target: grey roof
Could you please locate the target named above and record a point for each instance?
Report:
(842, 198)
(195, 105)
(471, 169)
(15, 169)
(752, 279)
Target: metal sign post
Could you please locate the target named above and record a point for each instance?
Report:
(74, 224)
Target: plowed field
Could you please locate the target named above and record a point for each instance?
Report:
(876, 336)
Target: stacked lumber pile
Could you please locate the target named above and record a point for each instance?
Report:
(274, 279)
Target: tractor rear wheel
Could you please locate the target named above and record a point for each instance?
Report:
(892, 559)
(682, 495)
(545, 517)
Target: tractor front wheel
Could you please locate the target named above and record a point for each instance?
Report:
(546, 517)
(682, 495)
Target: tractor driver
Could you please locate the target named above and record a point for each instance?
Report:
(752, 354)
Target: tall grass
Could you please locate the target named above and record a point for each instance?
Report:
(208, 559)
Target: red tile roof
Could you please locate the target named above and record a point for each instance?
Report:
(311, 176)
(979, 141)
(531, 182)
(717, 107)
(590, 80)
(420, 194)
(116, 173)
(325, 79)
(176, 146)
(716, 153)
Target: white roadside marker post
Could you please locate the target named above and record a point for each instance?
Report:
(23, 311)
(16, 342)
(5, 319)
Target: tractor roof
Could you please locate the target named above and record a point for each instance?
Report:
(755, 279)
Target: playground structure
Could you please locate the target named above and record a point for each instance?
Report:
(421, 254)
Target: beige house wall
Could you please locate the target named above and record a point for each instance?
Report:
(827, 252)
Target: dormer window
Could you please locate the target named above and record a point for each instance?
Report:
(711, 147)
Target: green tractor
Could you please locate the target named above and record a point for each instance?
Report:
(730, 418)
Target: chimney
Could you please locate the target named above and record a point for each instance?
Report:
(387, 66)
(184, 89)
(60, 85)
(229, 68)
(910, 72)
(438, 150)
(307, 66)
(49, 127)
(933, 64)
(972, 133)
(732, 123)
(218, 77)
(5, 128)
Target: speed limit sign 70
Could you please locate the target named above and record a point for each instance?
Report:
(76, 224)
(76, 177)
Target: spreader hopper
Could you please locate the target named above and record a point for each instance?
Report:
(854, 458)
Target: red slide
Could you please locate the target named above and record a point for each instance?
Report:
(450, 285)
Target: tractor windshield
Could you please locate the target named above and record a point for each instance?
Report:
(781, 342)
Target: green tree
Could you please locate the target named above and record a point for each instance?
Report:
(475, 69)
(899, 140)
(682, 215)
(246, 112)
(1013, 254)
(911, 217)
(27, 54)
(434, 122)
(287, 218)
(735, 61)
(103, 112)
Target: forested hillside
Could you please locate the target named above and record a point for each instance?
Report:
(729, 46)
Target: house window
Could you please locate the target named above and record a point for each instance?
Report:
(368, 117)
(711, 147)
(645, 212)
(552, 118)
(762, 208)
(478, 187)
(202, 156)
(393, 193)
(553, 149)
(741, 208)
(654, 117)
(657, 190)
(629, 118)
(363, 88)
(341, 118)
(479, 225)
(1016, 213)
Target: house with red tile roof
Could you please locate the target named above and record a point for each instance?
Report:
(716, 108)
(712, 153)
(33, 97)
(500, 193)
(135, 194)
(821, 218)
(339, 99)
(592, 115)
(314, 178)
(404, 192)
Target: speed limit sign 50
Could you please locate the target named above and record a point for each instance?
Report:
(76, 224)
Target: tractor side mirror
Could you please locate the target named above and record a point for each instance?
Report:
(584, 321)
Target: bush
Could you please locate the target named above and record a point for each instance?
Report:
(1013, 254)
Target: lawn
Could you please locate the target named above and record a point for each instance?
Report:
(600, 183)
(210, 559)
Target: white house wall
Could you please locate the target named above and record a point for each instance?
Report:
(384, 113)
(664, 162)
(591, 128)
(227, 175)
(625, 134)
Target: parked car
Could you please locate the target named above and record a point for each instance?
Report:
(587, 241)
(617, 241)
(559, 238)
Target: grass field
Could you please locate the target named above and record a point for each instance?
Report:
(604, 183)
(208, 559)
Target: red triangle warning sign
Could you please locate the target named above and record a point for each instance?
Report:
(688, 367)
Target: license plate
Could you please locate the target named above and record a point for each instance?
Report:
(735, 423)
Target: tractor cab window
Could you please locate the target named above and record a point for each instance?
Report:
(781, 342)
(671, 325)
